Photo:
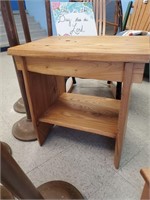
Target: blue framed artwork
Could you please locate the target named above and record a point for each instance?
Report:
(74, 18)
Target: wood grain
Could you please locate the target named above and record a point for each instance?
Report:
(87, 113)
(139, 19)
(42, 91)
(123, 112)
(82, 69)
(45, 63)
(112, 71)
(94, 48)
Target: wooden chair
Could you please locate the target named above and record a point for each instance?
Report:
(139, 19)
(23, 129)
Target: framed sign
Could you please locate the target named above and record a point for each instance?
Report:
(74, 18)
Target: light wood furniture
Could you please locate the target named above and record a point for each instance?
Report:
(45, 62)
(146, 190)
(139, 18)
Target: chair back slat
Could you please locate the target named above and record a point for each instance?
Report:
(104, 17)
(137, 14)
(102, 23)
(119, 18)
(99, 8)
(9, 23)
(24, 21)
(13, 39)
(139, 18)
(48, 17)
(99, 19)
(141, 15)
(145, 21)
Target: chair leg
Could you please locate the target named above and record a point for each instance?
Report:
(5, 194)
(13, 38)
(109, 82)
(21, 186)
(118, 90)
(19, 106)
(23, 130)
(7, 147)
(74, 80)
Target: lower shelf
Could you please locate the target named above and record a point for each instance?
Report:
(87, 113)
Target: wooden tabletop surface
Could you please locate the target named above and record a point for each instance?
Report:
(98, 48)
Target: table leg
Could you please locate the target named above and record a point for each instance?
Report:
(123, 114)
(42, 91)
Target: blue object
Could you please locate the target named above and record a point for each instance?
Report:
(14, 5)
(36, 8)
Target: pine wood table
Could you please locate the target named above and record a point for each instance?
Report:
(46, 62)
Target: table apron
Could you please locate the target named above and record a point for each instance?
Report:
(112, 71)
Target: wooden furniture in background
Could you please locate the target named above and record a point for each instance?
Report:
(16, 181)
(22, 129)
(146, 190)
(45, 62)
(108, 13)
(4, 193)
(139, 18)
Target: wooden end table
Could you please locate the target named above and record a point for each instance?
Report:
(46, 62)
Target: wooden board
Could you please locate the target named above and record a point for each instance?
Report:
(112, 71)
(87, 113)
(139, 18)
(96, 48)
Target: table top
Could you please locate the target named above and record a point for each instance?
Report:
(89, 48)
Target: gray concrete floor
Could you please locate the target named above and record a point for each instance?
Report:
(81, 158)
